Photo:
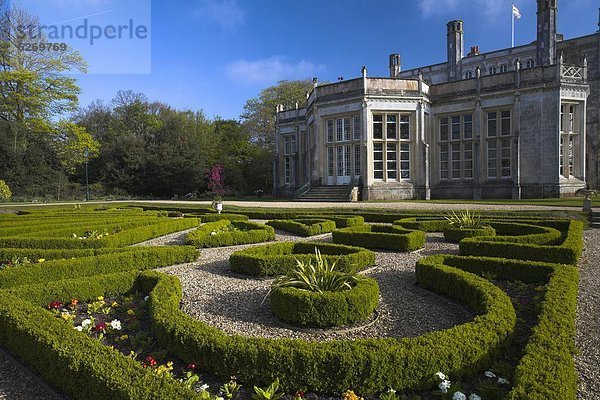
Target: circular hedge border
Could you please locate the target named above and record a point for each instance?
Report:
(280, 258)
(455, 235)
(252, 233)
(393, 238)
(303, 308)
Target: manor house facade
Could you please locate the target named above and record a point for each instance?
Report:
(521, 122)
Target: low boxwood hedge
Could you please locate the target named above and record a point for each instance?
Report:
(567, 251)
(280, 258)
(56, 254)
(546, 371)
(425, 224)
(78, 365)
(321, 310)
(455, 235)
(227, 233)
(341, 221)
(135, 258)
(367, 366)
(393, 238)
(212, 217)
(304, 226)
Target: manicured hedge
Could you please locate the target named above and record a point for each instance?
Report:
(546, 371)
(341, 221)
(321, 310)
(455, 235)
(212, 217)
(280, 258)
(304, 226)
(124, 238)
(425, 224)
(219, 233)
(138, 258)
(567, 252)
(393, 238)
(367, 366)
(80, 366)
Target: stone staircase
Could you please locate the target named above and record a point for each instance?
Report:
(595, 219)
(327, 194)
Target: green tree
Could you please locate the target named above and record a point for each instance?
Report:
(5, 192)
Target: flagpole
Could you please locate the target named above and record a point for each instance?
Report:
(512, 19)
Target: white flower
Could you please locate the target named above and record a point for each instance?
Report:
(459, 396)
(490, 374)
(115, 324)
(444, 386)
(440, 375)
(78, 328)
(213, 233)
(146, 298)
(204, 387)
(502, 381)
(86, 322)
(392, 391)
(474, 397)
(219, 398)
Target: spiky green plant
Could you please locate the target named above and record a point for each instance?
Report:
(318, 277)
(465, 220)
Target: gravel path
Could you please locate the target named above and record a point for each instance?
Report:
(588, 318)
(235, 304)
(172, 239)
(18, 383)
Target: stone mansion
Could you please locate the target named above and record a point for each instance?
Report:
(521, 122)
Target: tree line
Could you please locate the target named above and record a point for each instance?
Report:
(132, 146)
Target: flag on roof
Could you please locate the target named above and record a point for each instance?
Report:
(516, 12)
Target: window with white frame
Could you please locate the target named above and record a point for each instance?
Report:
(499, 144)
(288, 170)
(493, 70)
(342, 132)
(289, 144)
(357, 169)
(339, 123)
(570, 129)
(456, 147)
(391, 146)
(330, 131)
(330, 161)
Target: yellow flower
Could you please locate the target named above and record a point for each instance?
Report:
(41, 260)
(124, 337)
(100, 298)
(130, 312)
(114, 304)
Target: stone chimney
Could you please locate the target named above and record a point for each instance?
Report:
(474, 51)
(395, 65)
(455, 44)
(546, 32)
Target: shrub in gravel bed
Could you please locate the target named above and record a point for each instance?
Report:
(56, 254)
(547, 370)
(455, 235)
(77, 365)
(304, 308)
(367, 366)
(212, 217)
(393, 238)
(280, 258)
(138, 258)
(566, 250)
(304, 226)
(227, 233)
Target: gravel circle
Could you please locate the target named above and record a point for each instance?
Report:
(235, 304)
(587, 339)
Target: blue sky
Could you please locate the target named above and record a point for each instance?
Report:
(215, 54)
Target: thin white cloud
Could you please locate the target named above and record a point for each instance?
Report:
(270, 70)
(226, 13)
(491, 10)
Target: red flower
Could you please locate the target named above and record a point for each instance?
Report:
(100, 326)
(55, 305)
(149, 361)
(299, 394)
(191, 366)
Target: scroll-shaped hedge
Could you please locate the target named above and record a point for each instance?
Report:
(304, 226)
(425, 224)
(227, 233)
(341, 221)
(280, 258)
(537, 247)
(321, 310)
(455, 235)
(393, 238)
(367, 366)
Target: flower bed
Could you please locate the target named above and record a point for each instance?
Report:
(227, 233)
(303, 308)
(304, 226)
(455, 235)
(566, 250)
(380, 237)
(280, 258)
